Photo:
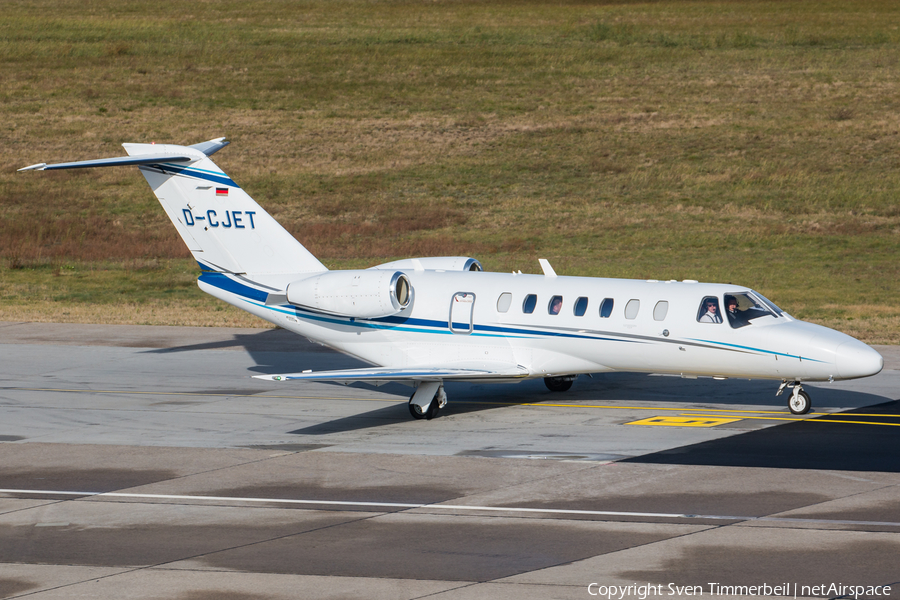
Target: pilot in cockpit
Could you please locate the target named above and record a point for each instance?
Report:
(710, 311)
(731, 309)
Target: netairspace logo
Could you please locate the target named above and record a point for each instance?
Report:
(786, 590)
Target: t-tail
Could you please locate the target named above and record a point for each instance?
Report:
(224, 228)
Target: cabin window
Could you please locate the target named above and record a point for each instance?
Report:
(529, 304)
(581, 306)
(660, 310)
(709, 311)
(606, 308)
(632, 308)
(555, 305)
(504, 302)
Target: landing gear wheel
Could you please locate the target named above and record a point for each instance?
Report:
(799, 404)
(559, 384)
(416, 411)
(438, 402)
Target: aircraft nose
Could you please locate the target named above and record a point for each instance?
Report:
(855, 359)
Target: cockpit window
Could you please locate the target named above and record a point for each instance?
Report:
(709, 311)
(743, 307)
(768, 303)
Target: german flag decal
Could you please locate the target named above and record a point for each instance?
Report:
(221, 191)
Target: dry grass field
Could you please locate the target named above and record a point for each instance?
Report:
(735, 141)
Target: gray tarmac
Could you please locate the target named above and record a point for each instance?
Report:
(144, 462)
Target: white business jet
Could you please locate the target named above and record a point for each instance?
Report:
(425, 321)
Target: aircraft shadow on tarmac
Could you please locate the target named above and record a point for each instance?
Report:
(465, 398)
(870, 443)
(814, 443)
(809, 444)
(260, 341)
(275, 351)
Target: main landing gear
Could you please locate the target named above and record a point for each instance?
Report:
(428, 400)
(799, 402)
(559, 384)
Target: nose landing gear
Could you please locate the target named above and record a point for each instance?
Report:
(799, 403)
(559, 384)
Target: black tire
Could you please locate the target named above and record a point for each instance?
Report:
(416, 411)
(433, 409)
(559, 384)
(799, 404)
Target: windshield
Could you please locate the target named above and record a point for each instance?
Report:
(743, 307)
(769, 303)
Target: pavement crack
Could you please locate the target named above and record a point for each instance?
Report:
(70, 584)
(452, 589)
(629, 548)
(265, 541)
(820, 503)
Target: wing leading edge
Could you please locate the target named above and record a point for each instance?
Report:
(386, 374)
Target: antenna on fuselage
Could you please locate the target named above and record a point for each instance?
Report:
(548, 270)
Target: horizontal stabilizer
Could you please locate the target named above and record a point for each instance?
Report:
(120, 161)
(385, 374)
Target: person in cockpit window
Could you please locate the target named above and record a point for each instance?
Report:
(710, 311)
(735, 316)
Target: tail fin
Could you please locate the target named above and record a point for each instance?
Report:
(223, 227)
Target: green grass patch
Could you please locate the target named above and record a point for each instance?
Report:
(741, 141)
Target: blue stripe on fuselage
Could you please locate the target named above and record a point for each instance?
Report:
(223, 282)
(407, 324)
(760, 350)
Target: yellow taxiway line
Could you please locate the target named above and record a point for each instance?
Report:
(817, 420)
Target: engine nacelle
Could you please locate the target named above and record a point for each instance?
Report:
(434, 263)
(365, 294)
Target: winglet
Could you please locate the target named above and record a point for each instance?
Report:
(37, 167)
(545, 265)
(211, 147)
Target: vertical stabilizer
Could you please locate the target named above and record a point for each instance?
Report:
(224, 228)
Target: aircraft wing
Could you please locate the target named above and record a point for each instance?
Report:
(386, 374)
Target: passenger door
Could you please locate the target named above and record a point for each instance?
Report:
(462, 307)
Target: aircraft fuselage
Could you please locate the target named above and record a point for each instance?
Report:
(479, 319)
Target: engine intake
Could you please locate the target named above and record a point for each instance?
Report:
(365, 294)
